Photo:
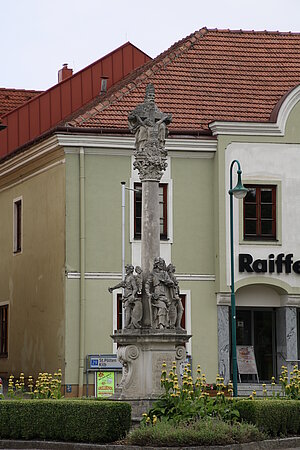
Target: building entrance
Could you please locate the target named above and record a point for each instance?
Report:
(256, 326)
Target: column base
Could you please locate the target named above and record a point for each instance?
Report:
(142, 353)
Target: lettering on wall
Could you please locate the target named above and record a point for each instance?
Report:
(280, 264)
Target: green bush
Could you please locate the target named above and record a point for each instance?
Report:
(201, 432)
(64, 420)
(275, 417)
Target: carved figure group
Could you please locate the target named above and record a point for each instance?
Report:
(162, 290)
(132, 304)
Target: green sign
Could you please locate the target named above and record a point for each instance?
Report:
(105, 384)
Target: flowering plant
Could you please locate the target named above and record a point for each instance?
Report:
(290, 387)
(188, 400)
(45, 386)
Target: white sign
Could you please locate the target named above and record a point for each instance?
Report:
(246, 360)
(109, 362)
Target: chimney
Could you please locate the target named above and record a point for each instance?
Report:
(64, 73)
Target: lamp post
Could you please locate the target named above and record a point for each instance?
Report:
(239, 191)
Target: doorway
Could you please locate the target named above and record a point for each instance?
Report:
(256, 327)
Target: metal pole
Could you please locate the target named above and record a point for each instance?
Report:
(233, 311)
(123, 241)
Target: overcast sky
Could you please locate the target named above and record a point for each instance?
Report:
(38, 36)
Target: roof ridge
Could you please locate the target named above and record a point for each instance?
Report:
(228, 30)
(126, 86)
(20, 90)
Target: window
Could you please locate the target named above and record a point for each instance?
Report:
(3, 330)
(120, 306)
(119, 312)
(260, 212)
(163, 205)
(17, 226)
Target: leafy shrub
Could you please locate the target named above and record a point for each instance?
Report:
(273, 416)
(202, 432)
(64, 420)
(190, 401)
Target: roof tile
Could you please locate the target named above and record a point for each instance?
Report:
(210, 75)
(12, 98)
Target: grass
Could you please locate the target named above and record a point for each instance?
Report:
(202, 432)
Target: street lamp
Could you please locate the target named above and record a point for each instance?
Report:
(239, 191)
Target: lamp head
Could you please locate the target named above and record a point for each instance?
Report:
(239, 191)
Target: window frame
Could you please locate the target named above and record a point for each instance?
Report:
(258, 237)
(4, 330)
(164, 235)
(17, 225)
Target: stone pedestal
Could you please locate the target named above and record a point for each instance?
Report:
(142, 353)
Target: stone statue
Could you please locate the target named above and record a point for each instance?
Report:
(131, 303)
(156, 288)
(139, 279)
(176, 308)
(149, 126)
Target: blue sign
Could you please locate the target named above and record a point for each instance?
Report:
(69, 388)
(94, 362)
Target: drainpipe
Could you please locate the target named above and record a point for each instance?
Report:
(82, 271)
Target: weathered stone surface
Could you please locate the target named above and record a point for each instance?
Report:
(149, 126)
(131, 302)
(142, 353)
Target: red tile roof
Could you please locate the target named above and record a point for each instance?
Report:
(12, 98)
(210, 75)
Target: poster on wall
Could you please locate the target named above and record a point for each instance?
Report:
(104, 384)
(246, 360)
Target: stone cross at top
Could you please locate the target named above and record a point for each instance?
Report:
(149, 125)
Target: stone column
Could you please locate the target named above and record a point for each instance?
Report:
(223, 302)
(150, 236)
(149, 126)
(286, 333)
(223, 342)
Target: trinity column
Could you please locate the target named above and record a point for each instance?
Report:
(152, 332)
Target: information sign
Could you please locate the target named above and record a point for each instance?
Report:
(104, 362)
(109, 362)
(105, 384)
(246, 360)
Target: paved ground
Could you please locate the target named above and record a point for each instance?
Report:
(276, 444)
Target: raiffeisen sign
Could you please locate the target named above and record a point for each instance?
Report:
(280, 264)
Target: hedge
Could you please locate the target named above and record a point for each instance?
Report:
(275, 417)
(64, 420)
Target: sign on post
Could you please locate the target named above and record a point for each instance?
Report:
(105, 384)
(246, 360)
(107, 362)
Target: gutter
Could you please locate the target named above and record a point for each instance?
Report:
(206, 134)
(82, 271)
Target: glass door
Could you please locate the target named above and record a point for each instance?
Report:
(256, 326)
